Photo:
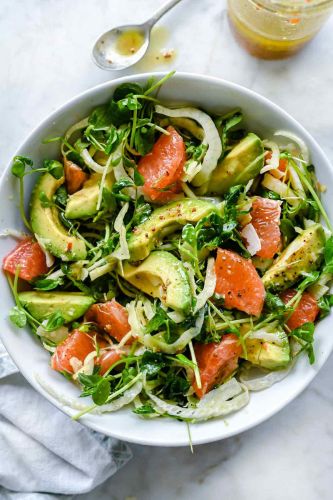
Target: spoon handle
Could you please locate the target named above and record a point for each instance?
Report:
(160, 12)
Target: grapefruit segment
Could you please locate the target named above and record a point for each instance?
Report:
(216, 362)
(163, 167)
(266, 221)
(238, 282)
(306, 311)
(29, 256)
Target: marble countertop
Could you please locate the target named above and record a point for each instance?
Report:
(45, 60)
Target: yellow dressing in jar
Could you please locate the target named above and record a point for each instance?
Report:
(275, 29)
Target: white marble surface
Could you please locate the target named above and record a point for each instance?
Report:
(45, 60)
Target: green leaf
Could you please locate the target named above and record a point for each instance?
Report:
(47, 284)
(139, 180)
(144, 140)
(119, 186)
(274, 303)
(146, 409)
(108, 200)
(157, 321)
(54, 167)
(309, 280)
(328, 255)
(306, 334)
(287, 229)
(112, 141)
(101, 117)
(325, 303)
(126, 89)
(61, 196)
(18, 317)
(175, 387)
(153, 362)
(54, 321)
(20, 163)
(185, 361)
(130, 102)
(196, 152)
(101, 392)
(142, 212)
(189, 234)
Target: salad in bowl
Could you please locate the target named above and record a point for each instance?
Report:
(174, 260)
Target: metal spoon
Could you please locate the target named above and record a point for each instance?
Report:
(106, 53)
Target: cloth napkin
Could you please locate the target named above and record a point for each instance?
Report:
(43, 450)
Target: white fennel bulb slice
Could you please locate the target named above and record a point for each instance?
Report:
(226, 399)
(250, 235)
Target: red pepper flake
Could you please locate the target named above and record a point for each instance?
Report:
(69, 246)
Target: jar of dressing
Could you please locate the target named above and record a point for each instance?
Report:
(275, 29)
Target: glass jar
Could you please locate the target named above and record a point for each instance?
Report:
(275, 29)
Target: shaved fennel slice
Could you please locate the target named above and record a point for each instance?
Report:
(49, 258)
(91, 163)
(277, 337)
(127, 397)
(211, 138)
(74, 128)
(300, 143)
(282, 189)
(122, 253)
(320, 288)
(296, 183)
(14, 233)
(120, 172)
(253, 243)
(137, 327)
(257, 379)
(226, 399)
(209, 285)
(156, 342)
(191, 168)
(273, 162)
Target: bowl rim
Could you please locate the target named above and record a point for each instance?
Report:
(203, 79)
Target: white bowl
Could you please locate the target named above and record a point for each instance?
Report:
(216, 95)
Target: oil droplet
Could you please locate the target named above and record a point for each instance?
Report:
(129, 42)
(159, 52)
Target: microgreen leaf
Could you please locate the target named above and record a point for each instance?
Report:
(54, 321)
(20, 163)
(54, 167)
(18, 317)
(47, 284)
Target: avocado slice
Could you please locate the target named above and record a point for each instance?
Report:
(269, 354)
(301, 256)
(40, 305)
(83, 203)
(164, 221)
(46, 224)
(162, 276)
(242, 164)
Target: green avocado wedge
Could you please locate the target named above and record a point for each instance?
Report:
(242, 164)
(269, 355)
(83, 203)
(303, 255)
(72, 305)
(162, 276)
(46, 224)
(164, 221)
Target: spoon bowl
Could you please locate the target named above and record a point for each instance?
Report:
(121, 47)
(124, 46)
